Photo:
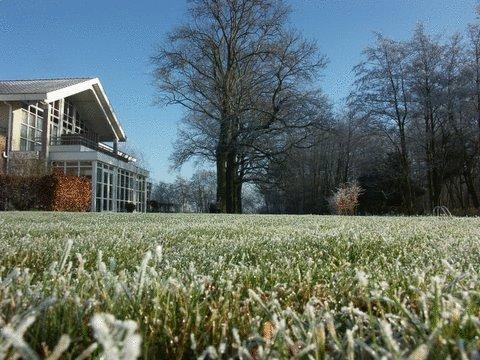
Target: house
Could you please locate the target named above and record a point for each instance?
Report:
(69, 124)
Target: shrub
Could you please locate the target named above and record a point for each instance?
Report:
(345, 199)
(53, 192)
(212, 208)
(24, 193)
(153, 206)
(3, 146)
(130, 207)
(70, 193)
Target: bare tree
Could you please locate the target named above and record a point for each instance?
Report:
(425, 70)
(473, 75)
(202, 190)
(205, 67)
(382, 95)
(474, 65)
(240, 74)
(196, 194)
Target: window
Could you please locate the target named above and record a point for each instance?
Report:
(55, 119)
(31, 128)
(130, 188)
(72, 122)
(68, 119)
(116, 187)
(85, 169)
(77, 168)
(105, 184)
(71, 168)
(125, 189)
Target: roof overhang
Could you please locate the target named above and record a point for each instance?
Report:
(92, 87)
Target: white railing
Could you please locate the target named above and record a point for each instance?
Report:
(81, 139)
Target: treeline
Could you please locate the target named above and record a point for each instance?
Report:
(197, 194)
(409, 133)
(182, 195)
(422, 98)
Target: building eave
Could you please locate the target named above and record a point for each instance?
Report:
(109, 110)
(23, 97)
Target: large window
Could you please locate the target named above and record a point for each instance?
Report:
(31, 128)
(72, 122)
(105, 185)
(117, 187)
(32, 123)
(55, 119)
(125, 188)
(141, 193)
(77, 168)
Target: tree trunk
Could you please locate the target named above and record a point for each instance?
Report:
(405, 163)
(221, 180)
(469, 181)
(231, 182)
(239, 205)
(407, 187)
(434, 182)
(428, 156)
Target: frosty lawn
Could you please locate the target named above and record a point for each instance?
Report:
(172, 286)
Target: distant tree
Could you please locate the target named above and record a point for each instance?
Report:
(421, 96)
(186, 195)
(426, 91)
(182, 191)
(471, 126)
(163, 193)
(252, 200)
(202, 190)
(383, 96)
(409, 132)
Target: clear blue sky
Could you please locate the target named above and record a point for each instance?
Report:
(113, 40)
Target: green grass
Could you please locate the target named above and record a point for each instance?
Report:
(211, 285)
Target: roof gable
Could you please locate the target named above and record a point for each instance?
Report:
(50, 90)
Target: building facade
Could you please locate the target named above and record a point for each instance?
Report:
(69, 125)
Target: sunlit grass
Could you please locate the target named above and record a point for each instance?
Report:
(248, 286)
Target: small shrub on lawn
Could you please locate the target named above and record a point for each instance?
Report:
(130, 207)
(346, 199)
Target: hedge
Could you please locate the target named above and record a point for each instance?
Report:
(53, 192)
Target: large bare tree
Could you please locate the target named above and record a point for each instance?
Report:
(239, 72)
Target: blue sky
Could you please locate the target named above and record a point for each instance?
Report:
(113, 40)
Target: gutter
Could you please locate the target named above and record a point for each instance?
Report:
(6, 154)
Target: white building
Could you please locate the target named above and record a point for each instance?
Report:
(70, 124)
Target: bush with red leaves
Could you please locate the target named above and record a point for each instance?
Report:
(345, 199)
(53, 192)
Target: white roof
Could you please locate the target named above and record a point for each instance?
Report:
(49, 90)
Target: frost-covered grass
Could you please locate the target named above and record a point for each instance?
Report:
(183, 286)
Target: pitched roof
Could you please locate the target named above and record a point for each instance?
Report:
(49, 90)
(40, 86)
